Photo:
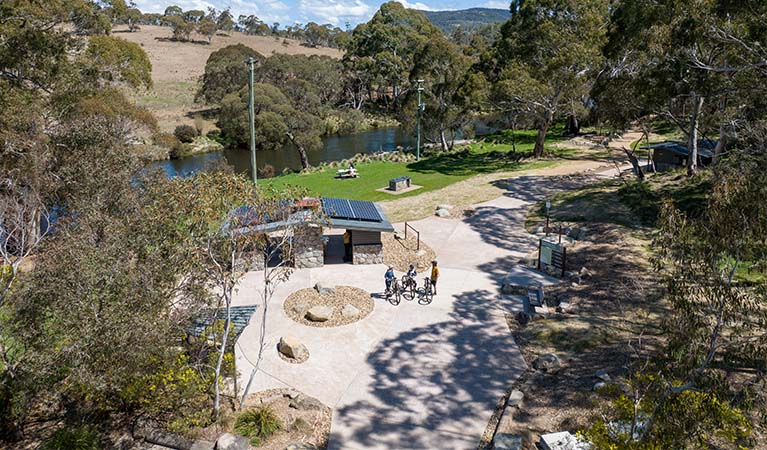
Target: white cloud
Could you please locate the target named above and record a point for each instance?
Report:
(335, 12)
(497, 4)
(419, 5)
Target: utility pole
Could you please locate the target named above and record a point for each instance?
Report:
(418, 123)
(251, 116)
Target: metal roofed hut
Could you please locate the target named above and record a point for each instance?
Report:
(363, 220)
(671, 154)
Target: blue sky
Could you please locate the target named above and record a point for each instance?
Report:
(336, 12)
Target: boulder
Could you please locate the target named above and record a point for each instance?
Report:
(561, 441)
(540, 230)
(602, 375)
(444, 206)
(229, 441)
(515, 399)
(547, 362)
(322, 289)
(300, 446)
(300, 308)
(585, 273)
(291, 347)
(599, 385)
(442, 213)
(306, 403)
(503, 441)
(564, 308)
(350, 311)
(319, 313)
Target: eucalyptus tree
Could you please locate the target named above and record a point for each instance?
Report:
(226, 72)
(545, 58)
(381, 52)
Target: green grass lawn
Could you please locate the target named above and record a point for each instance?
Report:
(432, 172)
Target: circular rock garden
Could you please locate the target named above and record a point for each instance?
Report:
(328, 307)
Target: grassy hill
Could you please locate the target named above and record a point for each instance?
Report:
(466, 18)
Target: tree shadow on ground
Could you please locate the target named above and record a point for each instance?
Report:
(435, 386)
(189, 41)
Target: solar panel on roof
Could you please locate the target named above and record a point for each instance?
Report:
(365, 211)
(340, 208)
(337, 207)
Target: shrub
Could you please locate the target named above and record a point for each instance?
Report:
(267, 171)
(257, 424)
(78, 438)
(166, 140)
(185, 133)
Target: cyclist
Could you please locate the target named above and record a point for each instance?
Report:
(389, 278)
(434, 276)
(410, 277)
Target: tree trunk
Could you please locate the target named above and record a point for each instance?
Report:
(573, 125)
(692, 145)
(301, 151)
(720, 145)
(224, 339)
(635, 164)
(543, 128)
(443, 140)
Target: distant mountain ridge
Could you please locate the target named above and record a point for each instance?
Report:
(466, 18)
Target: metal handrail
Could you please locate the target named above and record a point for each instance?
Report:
(417, 233)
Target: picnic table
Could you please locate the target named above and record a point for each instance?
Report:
(347, 173)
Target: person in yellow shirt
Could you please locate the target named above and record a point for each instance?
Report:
(347, 246)
(434, 276)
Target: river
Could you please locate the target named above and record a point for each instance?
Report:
(335, 148)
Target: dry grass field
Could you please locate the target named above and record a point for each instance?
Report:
(178, 66)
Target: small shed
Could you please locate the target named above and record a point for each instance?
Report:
(365, 221)
(673, 154)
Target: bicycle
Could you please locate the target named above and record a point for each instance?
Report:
(427, 293)
(393, 293)
(409, 287)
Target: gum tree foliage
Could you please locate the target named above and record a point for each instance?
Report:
(116, 60)
(225, 21)
(543, 62)
(451, 91)
(207, 28)
(226, 72)
(321, 75)
(277, 121)
(690, 65)
(380, 54)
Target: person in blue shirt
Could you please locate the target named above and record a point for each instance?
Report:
(389, 277)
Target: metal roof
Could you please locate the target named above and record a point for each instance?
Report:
(239, 315)
(705, 147)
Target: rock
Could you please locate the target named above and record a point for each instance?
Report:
(306, 403)
(300, 446)
(564, 308)
(547, 362)
(300, 308)
(503, 441)
(420, 253)
(599, 385)
(585, 273)
(523, 318)
(442, 213)
(602, 375)
(444, 206)
(515, 399)
(291, 394)
(319, 313)
(561, 441)
(322, 289)
(291, 347)
(400, 236)
(229, 441)
(350, 311)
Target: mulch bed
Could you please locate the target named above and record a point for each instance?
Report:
(337, 299)
(400, 253)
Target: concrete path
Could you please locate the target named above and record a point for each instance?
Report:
(411, 376)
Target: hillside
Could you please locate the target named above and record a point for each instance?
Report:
(178, 66)
(466, 18)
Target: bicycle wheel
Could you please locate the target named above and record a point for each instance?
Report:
(408, 291)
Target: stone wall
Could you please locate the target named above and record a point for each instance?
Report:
(307, 247)
(368, 254)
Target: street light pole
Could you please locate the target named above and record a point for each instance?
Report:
(251, 116)
(418, 123)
